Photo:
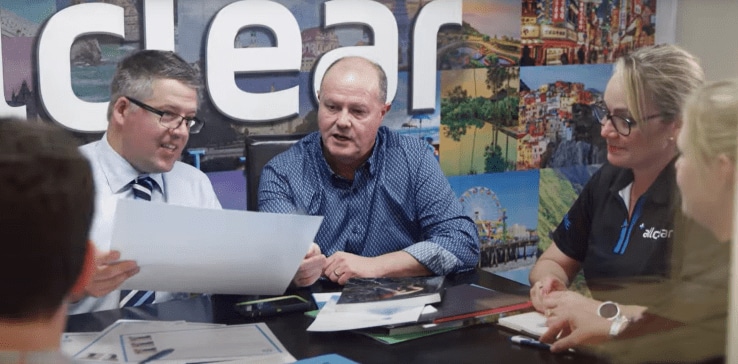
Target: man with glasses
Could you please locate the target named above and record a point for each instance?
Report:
(153, 103)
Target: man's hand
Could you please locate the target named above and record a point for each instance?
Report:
(341, 266)
(541, 289)
(110, 273)
(311, 267)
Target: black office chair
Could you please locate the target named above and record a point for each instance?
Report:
(260, 149)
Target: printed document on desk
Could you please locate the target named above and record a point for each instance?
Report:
(188, 249)
(106, 345)
(183, 342)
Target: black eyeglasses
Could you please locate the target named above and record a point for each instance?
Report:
(622, 124)
(171, 120)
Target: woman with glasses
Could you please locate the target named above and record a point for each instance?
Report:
(686, 317)
(622, 223)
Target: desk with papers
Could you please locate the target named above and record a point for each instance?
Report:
(475, 344)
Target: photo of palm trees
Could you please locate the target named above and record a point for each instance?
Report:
(479, 112)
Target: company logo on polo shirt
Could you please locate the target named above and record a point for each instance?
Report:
(567, 222)
(656, 233)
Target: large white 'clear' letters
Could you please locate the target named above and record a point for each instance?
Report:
(54, 66)
(384, 51)
(224, 60)
(429, 20)
(159, 24)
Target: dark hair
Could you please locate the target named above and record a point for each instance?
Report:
(136, 73)
(46, 206)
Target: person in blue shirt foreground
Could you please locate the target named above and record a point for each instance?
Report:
(389, 210)
(47, 199)
(686, 318)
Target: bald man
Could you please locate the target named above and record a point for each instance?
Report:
(388, 209)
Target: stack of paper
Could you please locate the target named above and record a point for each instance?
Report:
(529, 323)
(131, 341)
(463, 305)
(330, 319)
(363, 294)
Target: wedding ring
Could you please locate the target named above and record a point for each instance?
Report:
(336, 273)
(548, 312)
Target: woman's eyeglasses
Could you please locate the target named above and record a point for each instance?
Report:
(622, 124)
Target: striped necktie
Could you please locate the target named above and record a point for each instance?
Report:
(134, 297)
(142, 187)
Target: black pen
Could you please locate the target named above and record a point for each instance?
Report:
(157, 356)
(524, 340)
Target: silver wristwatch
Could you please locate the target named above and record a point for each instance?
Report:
(611, 311)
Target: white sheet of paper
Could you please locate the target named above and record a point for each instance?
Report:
(530, 323)
(321, 298)
(329, 319)
(187, 249)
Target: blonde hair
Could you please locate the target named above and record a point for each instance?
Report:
(711, 122)
(663, 75)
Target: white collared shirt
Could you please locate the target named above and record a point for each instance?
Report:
(184, 185)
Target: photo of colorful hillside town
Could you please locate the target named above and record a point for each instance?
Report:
(561, 32)
(556, 125)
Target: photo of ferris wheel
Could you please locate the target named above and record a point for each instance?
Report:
(504, 207)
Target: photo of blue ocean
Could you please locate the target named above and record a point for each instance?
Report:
(92, 82)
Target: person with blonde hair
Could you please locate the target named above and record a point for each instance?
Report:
(686, 320)
(706, 168)
(622, 223)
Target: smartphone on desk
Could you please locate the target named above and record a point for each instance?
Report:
(272, 306)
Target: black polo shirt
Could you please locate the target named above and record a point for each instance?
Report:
(598, 233)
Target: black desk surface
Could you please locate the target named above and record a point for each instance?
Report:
(476, 344)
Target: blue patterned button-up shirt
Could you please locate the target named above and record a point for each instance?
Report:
(399, 200)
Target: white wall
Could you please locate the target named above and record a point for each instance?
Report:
(709, 30)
